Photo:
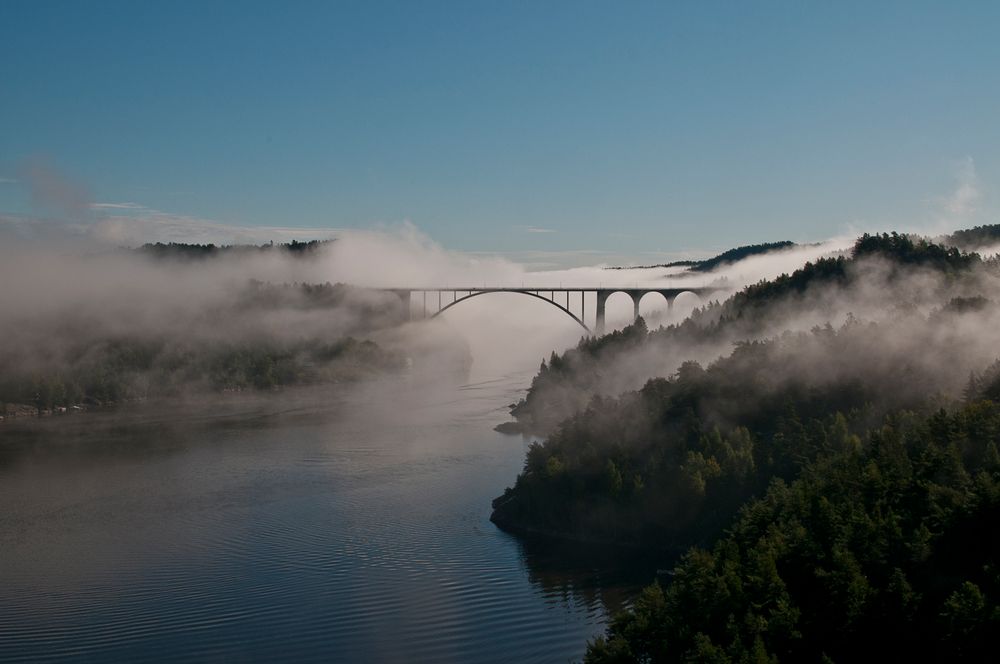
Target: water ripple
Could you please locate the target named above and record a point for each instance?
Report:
(316, 537)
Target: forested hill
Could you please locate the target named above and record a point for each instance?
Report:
(887, 275)
(668, 465)
(834, 468)
(260, 336)
(885, 549)
(973, 239)
(182, 251)
(725, 258)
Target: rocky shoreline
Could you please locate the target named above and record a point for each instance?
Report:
(14, 411)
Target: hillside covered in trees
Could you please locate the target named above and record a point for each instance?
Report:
(186, 251)
(883, 549)
(243, 343)
(972, 239)
(727, 257)
(886, 278)
(826, 441)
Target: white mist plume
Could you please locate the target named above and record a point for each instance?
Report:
(964, 200)
(68, 267)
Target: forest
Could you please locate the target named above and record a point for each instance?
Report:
(895, 279)
(727, 257)
(826, 483)
(882, 549)
(971, 239)
(187, 251)
(76, 361)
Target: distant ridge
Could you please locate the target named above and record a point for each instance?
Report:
(725, 258)
(972, 239)
(184, 251)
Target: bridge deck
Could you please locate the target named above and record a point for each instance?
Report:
(557, 289)
(548, 294)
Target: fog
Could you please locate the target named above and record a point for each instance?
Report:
(62, 291)
(911, 333)
(67, 279)
(62, 288)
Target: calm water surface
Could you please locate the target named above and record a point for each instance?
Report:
(308, 526)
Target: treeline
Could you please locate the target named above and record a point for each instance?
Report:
(884, 549)
(725, 258)
(260, 336)
(590, 369)
(363, 304)
(670, 464)
(137, 368)
(738, 254)
(974, 238)
(184, 251)
(837, 485)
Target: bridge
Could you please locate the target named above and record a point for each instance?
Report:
(446, 298)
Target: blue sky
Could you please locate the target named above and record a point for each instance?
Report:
(512, 126)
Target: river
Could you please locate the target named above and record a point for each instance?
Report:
(342, 524)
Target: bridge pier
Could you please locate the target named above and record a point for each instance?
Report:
(404, 298)
(602, 300)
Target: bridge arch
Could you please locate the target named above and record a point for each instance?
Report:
(520, 292)
(686, 302)
(654, 306)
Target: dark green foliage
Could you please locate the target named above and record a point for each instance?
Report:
(181, 251)
(973, 238)
(844, 516)
(670, 464)
(582, 371)
(71, 364)
(985, 385)
(884, 551)
(125, 369)
(725, 258)
(752, 299)
(738, 254)
(910, 250)
(962, 305)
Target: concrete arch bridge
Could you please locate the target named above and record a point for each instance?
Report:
(442, 299)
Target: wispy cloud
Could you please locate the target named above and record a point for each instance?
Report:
(117, 206)
(960, 208)
(138, 225)
(148, 225)
(52, 190)
(964, 200)
(534, 229)
(540, 260)
(9, 181)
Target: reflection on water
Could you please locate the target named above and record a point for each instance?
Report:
(306, 525)
(605, 579)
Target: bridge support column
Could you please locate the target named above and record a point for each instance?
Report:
(404, 298)
(635, 306)
(602, 300)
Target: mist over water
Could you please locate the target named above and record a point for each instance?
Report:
(348, 520)
(311, 525)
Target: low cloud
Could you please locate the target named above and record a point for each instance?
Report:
(117, 206)
(534, 229)
(964, 200)
(52, 190)
(148, 225)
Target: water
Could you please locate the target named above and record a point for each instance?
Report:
(347, 525)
